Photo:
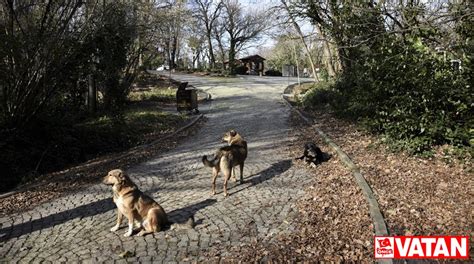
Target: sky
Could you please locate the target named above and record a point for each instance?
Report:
(268, 41)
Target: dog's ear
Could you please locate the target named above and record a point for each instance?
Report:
(232, 133)
(121, 177)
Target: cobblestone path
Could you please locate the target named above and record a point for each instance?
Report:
(76, 227)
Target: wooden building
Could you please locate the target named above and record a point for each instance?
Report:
(254, 64)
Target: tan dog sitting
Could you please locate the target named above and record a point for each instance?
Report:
(135, 205)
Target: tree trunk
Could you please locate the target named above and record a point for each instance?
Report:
(232, 57)
(168, 52)
(327, 54)
(297, 64)
(211, 51)
(174, 44)
(92, 95)
(221, 49)
(222, 55)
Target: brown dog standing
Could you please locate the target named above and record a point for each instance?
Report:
(226, 158)
(135, 205)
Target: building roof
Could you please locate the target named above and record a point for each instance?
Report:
(255, 57)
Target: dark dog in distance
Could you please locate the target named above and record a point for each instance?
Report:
(313, 155)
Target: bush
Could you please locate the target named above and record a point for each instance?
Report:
(415, 98)
(319, 96)
(273, 72)
(241, 69)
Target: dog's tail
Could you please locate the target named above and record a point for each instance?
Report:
(300, 158)
(188, 224)
(211, 163)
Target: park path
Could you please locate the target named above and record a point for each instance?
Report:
(76, 227)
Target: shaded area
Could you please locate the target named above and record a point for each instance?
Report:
(57, 184)
(267, 174)
(88, 210)
(183, 214)
(270, 172)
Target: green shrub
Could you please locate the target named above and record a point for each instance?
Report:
(241, 69)
(407, 92)
(273, 72)
(319, 96)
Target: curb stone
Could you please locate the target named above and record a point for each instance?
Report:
(129, 153)
(374, 210)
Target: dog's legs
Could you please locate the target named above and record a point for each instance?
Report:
(137, 224)
(151, 223)
(234, 178)
(227, 173)
(130, 225)
(119, 221)
(242, 172)
(146, 229)
(215, 172)
(144, 232)
(300, 158)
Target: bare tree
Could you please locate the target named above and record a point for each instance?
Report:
(174, 14)
(241, 27)
(207, 11)
(32, 68)
(218, 32)
(196, 42)
(301, 36)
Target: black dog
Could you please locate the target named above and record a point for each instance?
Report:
(312, 154)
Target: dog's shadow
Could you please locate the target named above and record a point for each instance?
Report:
(274, 170)
(181, 215)
(326, 158)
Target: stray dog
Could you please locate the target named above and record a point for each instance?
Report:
(226, 158)
(232, 137)
(139, 208)
(312, 154)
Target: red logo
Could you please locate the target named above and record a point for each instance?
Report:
(422, 247)
(384, 248)
(384, 242)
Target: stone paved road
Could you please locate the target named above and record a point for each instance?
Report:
(76, 227)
